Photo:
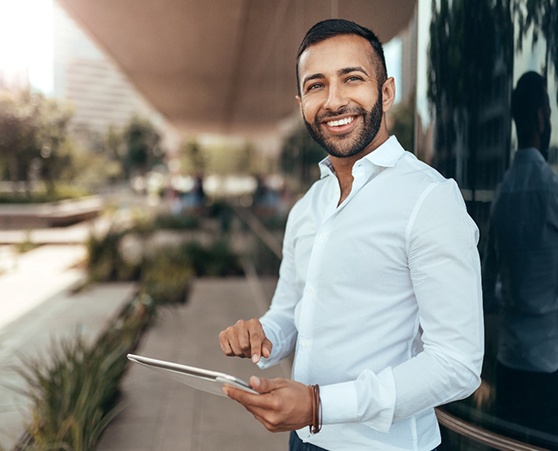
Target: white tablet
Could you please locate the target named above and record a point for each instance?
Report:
(198, 378)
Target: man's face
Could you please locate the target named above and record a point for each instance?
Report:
(340, 99)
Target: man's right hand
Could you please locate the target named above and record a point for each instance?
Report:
(245, 339)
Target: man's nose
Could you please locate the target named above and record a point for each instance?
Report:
(336, 98)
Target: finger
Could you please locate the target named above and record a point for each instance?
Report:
(233, 340)
(244, 344)
(266, 348)
(225, 345)
(256, 342)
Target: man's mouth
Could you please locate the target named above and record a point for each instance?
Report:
(340, 122)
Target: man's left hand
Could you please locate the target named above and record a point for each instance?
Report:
(282, 405)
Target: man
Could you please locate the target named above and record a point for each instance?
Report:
(379, 287)
(522, 251)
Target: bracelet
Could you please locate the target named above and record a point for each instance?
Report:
(316, 425)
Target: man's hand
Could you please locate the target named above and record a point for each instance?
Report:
(282, 405)
(245, 339)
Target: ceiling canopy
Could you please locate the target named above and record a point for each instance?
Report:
(223, 66)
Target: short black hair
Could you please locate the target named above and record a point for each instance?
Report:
(335, 27)
(528, 97)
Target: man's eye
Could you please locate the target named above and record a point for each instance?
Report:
(314, 86)
(354, 78)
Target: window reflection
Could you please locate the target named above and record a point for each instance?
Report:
(489, 125)
(520, 269)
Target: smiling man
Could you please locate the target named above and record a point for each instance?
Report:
(379, 291)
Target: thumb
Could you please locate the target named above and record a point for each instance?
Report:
(262, 385)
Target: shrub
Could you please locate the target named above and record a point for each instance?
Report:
(181, 221)
(73, 396)
(167, 276)
(215, 260)
(105, 262)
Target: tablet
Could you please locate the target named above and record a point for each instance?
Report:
(198, 378)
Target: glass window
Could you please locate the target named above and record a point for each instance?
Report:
(487, 117)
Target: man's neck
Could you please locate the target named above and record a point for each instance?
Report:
(343, 168)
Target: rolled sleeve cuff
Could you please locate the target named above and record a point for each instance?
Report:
(370, 400)
(339, 403)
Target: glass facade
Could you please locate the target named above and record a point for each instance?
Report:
(470, 57)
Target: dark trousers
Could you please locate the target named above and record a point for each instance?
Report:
(295, 444)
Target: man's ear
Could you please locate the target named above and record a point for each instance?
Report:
(388, 94)
(298, 99)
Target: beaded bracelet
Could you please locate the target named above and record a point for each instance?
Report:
(316, 425)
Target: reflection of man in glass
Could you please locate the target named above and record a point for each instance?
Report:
(523, 250)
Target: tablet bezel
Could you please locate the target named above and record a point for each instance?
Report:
(199, 378)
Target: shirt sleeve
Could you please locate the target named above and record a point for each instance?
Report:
(445, 272)
(278, 321)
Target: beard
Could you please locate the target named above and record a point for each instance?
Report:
(348, 146)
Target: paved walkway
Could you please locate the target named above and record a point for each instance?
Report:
(162, 414)
(38, 307)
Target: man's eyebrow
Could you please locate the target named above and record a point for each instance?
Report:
(344, 71)
(348, 70)
(312, 77)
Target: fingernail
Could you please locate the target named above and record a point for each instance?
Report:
(255, 358)
(255, 380)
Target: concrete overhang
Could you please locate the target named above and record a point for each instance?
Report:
(221, 66)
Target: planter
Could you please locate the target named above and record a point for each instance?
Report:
(50, 214)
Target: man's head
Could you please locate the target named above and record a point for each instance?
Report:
(336, 27)
(531, 112)
(343, 88)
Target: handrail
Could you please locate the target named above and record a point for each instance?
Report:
(481, 435)
(260, 230)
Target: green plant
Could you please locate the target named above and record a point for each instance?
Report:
(105, 260)
(170, 221)
(73, 396)
(167, 276)
(215, 260)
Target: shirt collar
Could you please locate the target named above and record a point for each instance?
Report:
(386, 156)
(528, 154)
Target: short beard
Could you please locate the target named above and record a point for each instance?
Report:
(372, 122)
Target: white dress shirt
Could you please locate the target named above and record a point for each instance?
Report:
(381, 297)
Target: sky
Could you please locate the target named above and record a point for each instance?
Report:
(26, 42)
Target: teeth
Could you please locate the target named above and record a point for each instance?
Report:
(340, 122)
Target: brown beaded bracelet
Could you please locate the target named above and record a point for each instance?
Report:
(316, 425)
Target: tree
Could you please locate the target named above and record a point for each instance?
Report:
(541, 18)
(470, 62)
(142, 141)
(300, 155)
(193, 158)
(33, 129)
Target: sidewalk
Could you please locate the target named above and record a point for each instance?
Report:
(37, 306)
(159, 412)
